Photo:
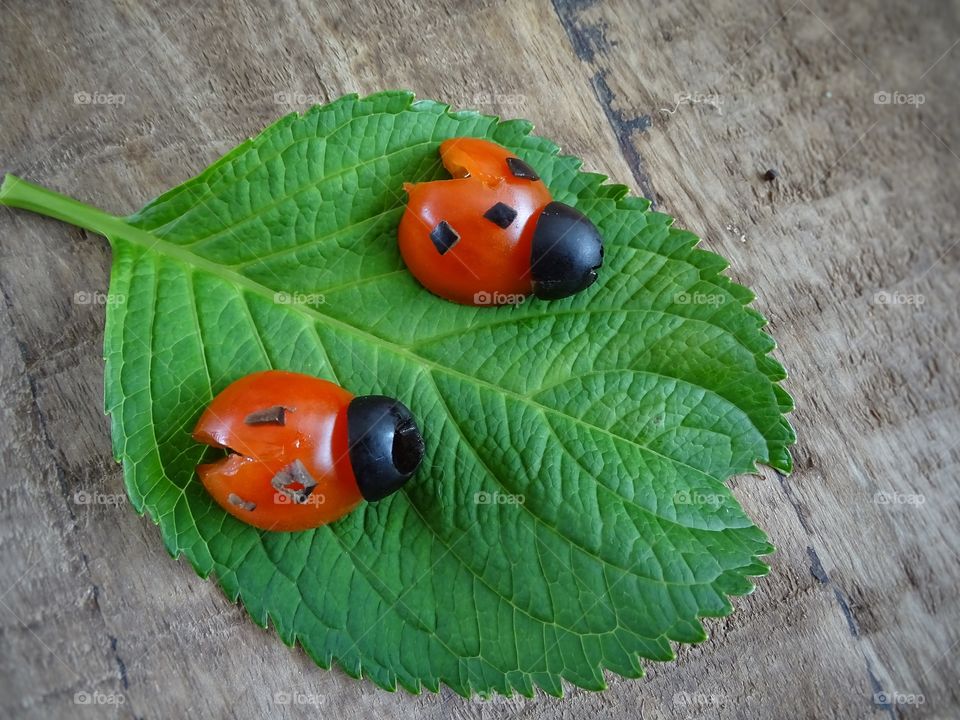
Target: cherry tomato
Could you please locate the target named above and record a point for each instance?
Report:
(303, 452)
(493, 235)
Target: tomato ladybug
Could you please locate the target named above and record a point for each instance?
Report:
(303, 451)
(493, 234)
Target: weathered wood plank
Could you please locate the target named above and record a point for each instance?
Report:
(687, 103)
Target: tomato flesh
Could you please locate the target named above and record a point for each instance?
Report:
(313, 432)
(488, 264)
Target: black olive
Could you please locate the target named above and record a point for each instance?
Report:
(444, 237)
(567, 251)
(520, 169)
(385, 444)
(501, 214)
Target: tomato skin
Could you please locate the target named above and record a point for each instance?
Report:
(314, 432)
(489, 264)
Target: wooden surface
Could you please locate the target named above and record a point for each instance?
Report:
(689, 103)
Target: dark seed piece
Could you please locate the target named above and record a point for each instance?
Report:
(566, 252)
(268, 416)
(444, 237)
(295, 473)
(501, 214)
(385, 445)
(241, 503)
(520, 169)
(771, 175)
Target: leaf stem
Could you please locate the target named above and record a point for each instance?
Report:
(19, 193)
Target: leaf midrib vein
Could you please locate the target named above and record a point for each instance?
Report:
(256, 213)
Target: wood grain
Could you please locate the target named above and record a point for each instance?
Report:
(853, 251)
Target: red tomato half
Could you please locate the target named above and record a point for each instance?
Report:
(493, 235)
(285, 431)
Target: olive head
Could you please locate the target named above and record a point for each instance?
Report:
(566, 252)
(385, 444)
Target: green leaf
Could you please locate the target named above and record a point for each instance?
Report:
(571, 514)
